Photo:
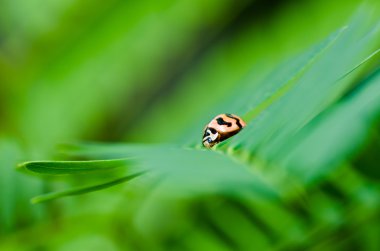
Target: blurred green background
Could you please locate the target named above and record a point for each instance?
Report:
(155, 72)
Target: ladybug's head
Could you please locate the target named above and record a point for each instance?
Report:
(210, 137)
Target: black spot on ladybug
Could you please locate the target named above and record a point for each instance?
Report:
(212, 130)
(222, 122)
(236, 119)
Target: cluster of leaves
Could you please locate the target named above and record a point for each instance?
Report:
(290, 180)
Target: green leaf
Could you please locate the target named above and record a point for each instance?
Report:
(181, 170)
(270, 136)
(74, 167)
(82, 190)
(337, 133)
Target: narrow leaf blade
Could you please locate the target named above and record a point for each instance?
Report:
(82, 190)
(73, 167)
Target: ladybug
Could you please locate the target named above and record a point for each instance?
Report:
(221, 128)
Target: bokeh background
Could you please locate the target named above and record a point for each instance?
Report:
(151, 72)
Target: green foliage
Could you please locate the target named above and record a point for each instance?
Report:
(301, 176)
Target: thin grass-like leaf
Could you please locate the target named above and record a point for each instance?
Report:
(336, 134)
(73, 167)
(82, 190)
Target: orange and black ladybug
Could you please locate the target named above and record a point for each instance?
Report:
(221, 128)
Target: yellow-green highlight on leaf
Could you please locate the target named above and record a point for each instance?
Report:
(361, 63)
